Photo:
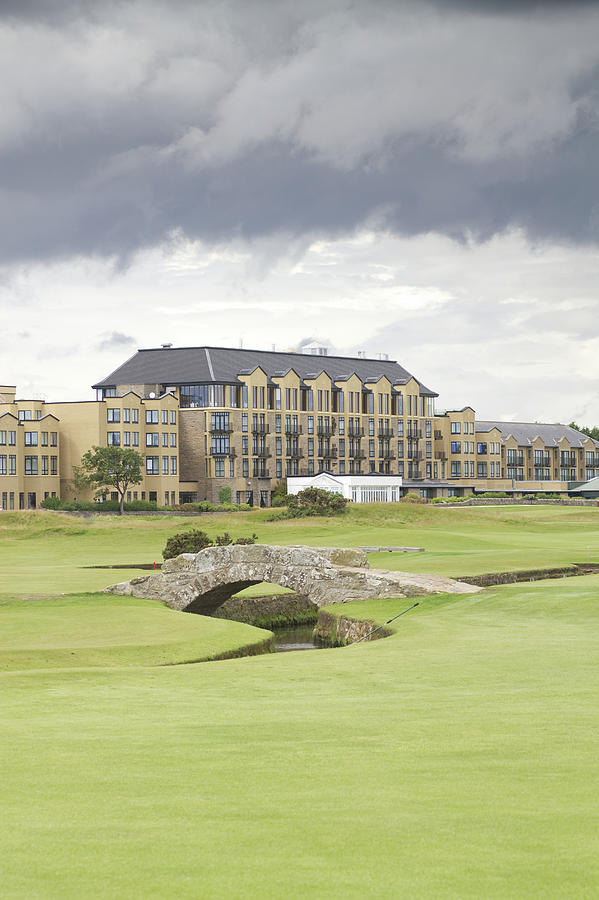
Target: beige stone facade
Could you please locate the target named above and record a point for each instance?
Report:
(210, 421)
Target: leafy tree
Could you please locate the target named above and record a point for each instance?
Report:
(224, 495)
(591, 432)
(112, 467)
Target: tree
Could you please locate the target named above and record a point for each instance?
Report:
(591, 432)
(112, 467)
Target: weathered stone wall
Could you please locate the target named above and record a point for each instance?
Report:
(201, 582)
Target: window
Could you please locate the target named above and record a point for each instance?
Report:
(135, 438)
(31, 465)
(456, 468)
(54, 439)
(126, 438)
(151, 417)
(45, 467)
(165, 439)
(278, 446)
(456, 427)
(113, 415)
(310, 424)
(164, 416)
(12, 465)
(165, 465)
(3, 469)
(126, 415)
(204, 395)
(173, 439)
(24, 415)
(12, 438)
(311, 446)
(481, 469)
(152, 439)
(134, 416)
(113, 438)
(245, 468)
(152, 465)
(244, 445)
(220, 445)
(44, 439)
(31, 438)
(173, 465)
(220, 421)
(456, 446)
(279, 468)
(173, 417)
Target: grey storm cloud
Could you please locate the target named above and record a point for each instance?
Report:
(135, 120)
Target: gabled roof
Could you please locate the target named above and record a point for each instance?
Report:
(525, 432)
(222, 365)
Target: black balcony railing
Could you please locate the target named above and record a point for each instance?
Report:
(224, 430)
(385, 432)
(355, 432)
(326, 430)
(260, 428)
(297, 429)
(263, 453)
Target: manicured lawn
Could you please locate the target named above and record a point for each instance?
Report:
(454, 759)
(108, 630)
(47, 553)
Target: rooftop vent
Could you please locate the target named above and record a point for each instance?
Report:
(166, 346)
(382, 356)
(314, 349)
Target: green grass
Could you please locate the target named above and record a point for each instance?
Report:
(454, 759)
(47, 553)
(108, 630)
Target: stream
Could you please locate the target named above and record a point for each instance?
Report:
(294, 637)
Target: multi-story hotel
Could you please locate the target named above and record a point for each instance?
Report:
(208, 418)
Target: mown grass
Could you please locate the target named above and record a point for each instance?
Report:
(108, 630)
(454, 759)
(47, 552)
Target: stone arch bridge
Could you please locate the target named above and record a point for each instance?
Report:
(201, 582)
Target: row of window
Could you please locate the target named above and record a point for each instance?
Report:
(169, 465)
(467, 469)
(153, 416)
(49, 465)
(462, 427)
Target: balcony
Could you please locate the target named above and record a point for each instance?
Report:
(327, 430)
(260, 428)
(263, 453)
(388, 454)
(224, 430)
(355, 432)
(295, 454)
(330, 454)
(441, 454)
(298, 429)
(357, 454)
(385, 432)
(438, 435)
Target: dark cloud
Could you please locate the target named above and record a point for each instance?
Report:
(241, 119)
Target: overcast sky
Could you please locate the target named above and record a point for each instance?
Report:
(416, 178)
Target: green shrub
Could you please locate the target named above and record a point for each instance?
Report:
(412, 498)
(278, 496)
(314, 502)
(224, 495)
(195, 540)
(186, 542)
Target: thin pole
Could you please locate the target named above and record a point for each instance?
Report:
(388, 622)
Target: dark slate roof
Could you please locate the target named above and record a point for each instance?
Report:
(222, 365)
(591, 486)
(526, 432)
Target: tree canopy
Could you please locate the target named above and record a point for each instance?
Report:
(112, 467)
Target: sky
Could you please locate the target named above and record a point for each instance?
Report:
(413, 178)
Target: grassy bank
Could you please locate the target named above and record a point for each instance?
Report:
(107, 630)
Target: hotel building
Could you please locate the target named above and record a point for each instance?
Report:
(208, 418)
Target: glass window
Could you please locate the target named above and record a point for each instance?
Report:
(135, 416)
(151, 417)
(31, 438)
(173, 465)
(152, 463)
(113, 415)
(164, 416)
(31, 465)
(113, 438)
(152, 439)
